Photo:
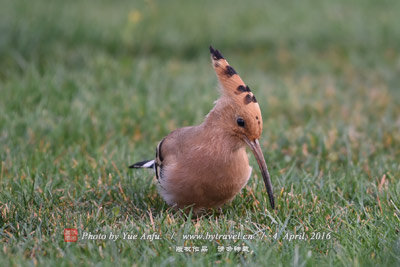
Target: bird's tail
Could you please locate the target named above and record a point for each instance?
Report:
(149, 164)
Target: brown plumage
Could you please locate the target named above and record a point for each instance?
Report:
(207, 165)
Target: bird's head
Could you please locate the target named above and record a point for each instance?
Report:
(243, 114)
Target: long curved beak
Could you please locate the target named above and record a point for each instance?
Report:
(255, 147)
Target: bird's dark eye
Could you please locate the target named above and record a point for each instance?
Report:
(240, 122)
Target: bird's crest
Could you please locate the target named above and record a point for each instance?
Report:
(234, 90)
(231, 83)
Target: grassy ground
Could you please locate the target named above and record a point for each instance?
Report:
(89, 87)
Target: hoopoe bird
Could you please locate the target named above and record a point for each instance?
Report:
(207, 165)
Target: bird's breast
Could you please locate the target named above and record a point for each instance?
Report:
(204, 177)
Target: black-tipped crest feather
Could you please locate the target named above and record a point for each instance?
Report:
(215, 53)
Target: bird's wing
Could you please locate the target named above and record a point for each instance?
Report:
(173, 147)
(159, 160)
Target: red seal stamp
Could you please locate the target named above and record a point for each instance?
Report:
(70, 234)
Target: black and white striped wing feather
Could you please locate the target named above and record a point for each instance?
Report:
(155, 164)
(158, 161)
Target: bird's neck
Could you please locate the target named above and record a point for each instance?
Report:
(221, 114)
(218, 128)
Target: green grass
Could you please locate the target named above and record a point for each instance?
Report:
(89, 87)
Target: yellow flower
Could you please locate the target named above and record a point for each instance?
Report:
(134, 16)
